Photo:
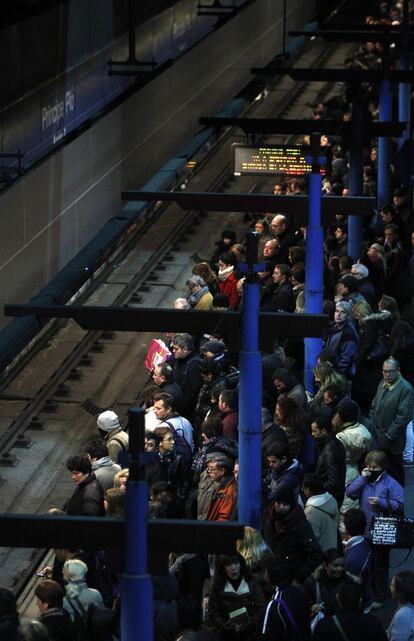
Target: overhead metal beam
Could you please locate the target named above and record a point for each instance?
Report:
(353, 76)
(272, 325)
(258, 203)
(277, 126)
(98, 533)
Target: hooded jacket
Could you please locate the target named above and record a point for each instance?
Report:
(322, 513)
(105, 470)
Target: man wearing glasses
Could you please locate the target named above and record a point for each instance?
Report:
(391, 411)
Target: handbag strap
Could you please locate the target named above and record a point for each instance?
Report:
(340, 628)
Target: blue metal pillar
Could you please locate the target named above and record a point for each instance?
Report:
(355, 181)
(404, 103)
(250, 395)
(136, 585)
(314, 260)
(384, 157)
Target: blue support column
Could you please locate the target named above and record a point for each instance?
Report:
(250, 395)
(384, 157)
(136, 585)
(355, 182)
(314, 260)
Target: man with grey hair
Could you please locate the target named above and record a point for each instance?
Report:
(199, 297)
(391, 411)
(342, 340)
(186, 371)
(365, 287)
(182, 303)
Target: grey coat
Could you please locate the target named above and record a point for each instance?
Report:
(105, 470)
(391, 411)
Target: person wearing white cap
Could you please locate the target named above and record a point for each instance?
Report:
(111, 431)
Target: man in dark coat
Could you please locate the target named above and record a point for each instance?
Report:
(293, 541)
(9, 617)
(49, 600)
(283, 299)
(354, 624)
(186, 371)
(331, 466)
(87, 499)
(163, 377)
(271, 433)
(342, 340)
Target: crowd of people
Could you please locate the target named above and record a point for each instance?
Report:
(331, 460)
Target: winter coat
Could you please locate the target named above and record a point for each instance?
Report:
(105, 470)
(283, 299)
(205, 302)
(343, 342)
(386, 488)
(322, 513)
(190, 570)
(331, 466)
(58, 623)
(226, 600)
(176, 473)
(402, 625)
(358, 561)
(230, 420)
(356, 625)
(228, 287)
(87, 499)
(290, 474)
(206, 490)
(86, 597)
(176, 392)
(223, 500)
(328, 588)
(294, 542)
(186, 373)
(391, 411)
(357, 441)
(276, 622)
(117, 442)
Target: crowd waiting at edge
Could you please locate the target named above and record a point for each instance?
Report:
(330, 461)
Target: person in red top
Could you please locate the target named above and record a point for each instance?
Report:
(224, 499)
(227, 279)
(227, 405)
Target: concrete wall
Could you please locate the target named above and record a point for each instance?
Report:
(47, 217)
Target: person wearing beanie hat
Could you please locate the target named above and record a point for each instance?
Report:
(342, 340)
(213, 350)
(356, 439)
(110, 429)
(291, 538)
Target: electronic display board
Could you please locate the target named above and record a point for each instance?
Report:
(270, 160)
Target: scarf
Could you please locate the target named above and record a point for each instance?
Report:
(225, 273)
(194, 298)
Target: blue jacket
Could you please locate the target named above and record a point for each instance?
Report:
(386, 488)
(358, 561)
(343, 342)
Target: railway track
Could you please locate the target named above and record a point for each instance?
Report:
(50, 399)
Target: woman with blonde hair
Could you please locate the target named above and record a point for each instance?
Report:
(121, 478)
(78, 597)
(252, 548)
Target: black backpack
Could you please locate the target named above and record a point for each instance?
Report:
(96, 623)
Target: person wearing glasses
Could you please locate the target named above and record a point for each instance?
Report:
(391, 411)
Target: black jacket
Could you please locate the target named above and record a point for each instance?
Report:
(273, 434)
(87, 499)
(222, 602)
(294, 542)
(186, 373)
(58, 623)
(356, 626)
(278, 625)
(283, 299)
(331, 466)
